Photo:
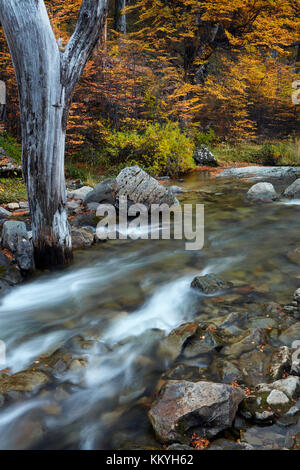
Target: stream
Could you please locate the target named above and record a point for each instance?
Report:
(117, 301)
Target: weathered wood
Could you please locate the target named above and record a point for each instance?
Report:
(46, 79)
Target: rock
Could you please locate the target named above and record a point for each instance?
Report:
(262, 192)
(72, 205)
(203, 156)
(290, 334)
(74, 184)
(4, 213)
(102, 193)
(277, 398)
(204, 341)
(297, 295)
(281, 362)
(82, 237)
(248, 343)
(293, 191)
(137, 186)
(210, 284)
(13, 206)
(226, 371)
(24, 205)
(294, 256)
(15, 238)
(26, 381)
(92, 206)
(180, 447)
(175, 190)
(289, 386)
(80, 193)
(261, 171)
(203, 406)
(8, 166)
(226, 444)
(171, 346)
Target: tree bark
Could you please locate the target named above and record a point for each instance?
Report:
(120, 19)
(46, 78)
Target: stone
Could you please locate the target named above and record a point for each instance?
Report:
(102, 193)
(297, 295)
(80, 193)
(4, 213)
(175, 190)
(13, 206)
(8, 166)
(277, 398)
(72, 205)
(262, 192)
(204, 341)
(203, 406)
(248, 343)
(281, 362)
(203, 156)
(210, 284)
(24, 205)
(171, 346)
(82, 237)
(293, 191)
(290, 334)
(226, 444)
(15, 238)
(25, 381)
(261, 171)
(137, 186)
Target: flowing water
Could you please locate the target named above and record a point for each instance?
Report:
(114, 305)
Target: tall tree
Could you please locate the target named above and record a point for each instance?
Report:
(47, 73)
(120, 17)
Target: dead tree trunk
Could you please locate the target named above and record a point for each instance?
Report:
(46, 76)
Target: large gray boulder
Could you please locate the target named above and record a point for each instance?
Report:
(80, 193)
(16, 239)
(293, 191)
(262, 192)
(103, 193)
(137, 186)
(206, 407)
(261, 171)
(203, 156)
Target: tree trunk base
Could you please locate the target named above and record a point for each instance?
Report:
(50, 257)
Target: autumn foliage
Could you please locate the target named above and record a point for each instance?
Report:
(226, 65)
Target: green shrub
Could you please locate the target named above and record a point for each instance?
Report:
(11, 146)
(268, 154)
(159, 149)
(205, 138)
(12, 190)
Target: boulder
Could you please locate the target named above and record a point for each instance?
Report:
(80, 193)
(82, 237)
(102, 193)
(203, 156)
(281, 363)
(13, 206)
(210, 284)
(262, 192)
(206, 407)
(293, 191)
(175, 190)
(15, 238)
(137, 186)
(261, 171)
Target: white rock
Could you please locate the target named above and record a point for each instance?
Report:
(277, 398)
(80, 193)
(288, 386)
(12, 206)
(262, 192)
(293, 190)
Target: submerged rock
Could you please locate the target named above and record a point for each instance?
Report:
(210, 284)
(203, 406)
(262, 192)
(203, 156)
(137, 186)
(26, 381)
(261, 171)
(293, 191)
